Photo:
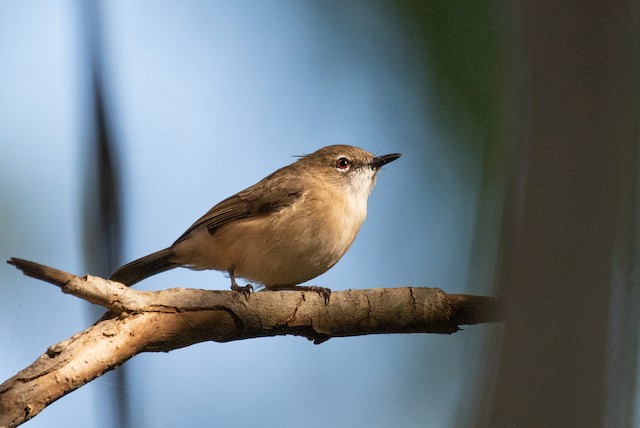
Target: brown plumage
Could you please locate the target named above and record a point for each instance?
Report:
(286, 229)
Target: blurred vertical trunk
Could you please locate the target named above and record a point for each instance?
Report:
(102, 231)
(569, 349)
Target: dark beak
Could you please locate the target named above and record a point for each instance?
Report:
(379, 161)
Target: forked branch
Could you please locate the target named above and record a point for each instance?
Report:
(146, 321)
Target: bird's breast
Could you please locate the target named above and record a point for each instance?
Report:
(286, 247)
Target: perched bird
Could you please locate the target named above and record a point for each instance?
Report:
(284, 230)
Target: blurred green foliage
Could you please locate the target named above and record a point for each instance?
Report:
(463, 43)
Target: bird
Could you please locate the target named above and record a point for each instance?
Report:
(286, 229)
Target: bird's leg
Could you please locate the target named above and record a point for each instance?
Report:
(325, 293)
(246, 290)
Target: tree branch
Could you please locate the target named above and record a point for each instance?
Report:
(145, 321)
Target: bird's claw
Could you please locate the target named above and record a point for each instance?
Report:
(245, 291)
(325, 293)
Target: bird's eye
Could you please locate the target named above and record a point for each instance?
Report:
(343, 163)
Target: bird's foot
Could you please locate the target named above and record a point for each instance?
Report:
(325, 293)
(245, 291)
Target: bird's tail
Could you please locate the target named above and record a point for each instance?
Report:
(144, 267)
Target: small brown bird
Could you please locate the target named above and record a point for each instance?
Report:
(286, 229)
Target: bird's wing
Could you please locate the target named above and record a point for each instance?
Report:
(265, 197)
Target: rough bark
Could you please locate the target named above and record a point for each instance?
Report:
(145, 321)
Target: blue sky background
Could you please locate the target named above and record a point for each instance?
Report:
(206, 98)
